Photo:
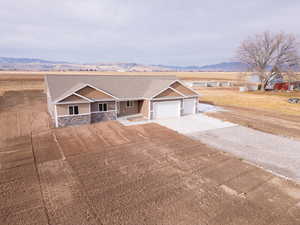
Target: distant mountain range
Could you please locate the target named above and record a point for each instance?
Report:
(28, 60)
(225, 67)
(31, 64)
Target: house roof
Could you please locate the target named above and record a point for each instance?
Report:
(119, 86)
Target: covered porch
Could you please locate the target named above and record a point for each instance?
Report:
(132, 108)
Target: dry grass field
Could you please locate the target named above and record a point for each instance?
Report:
(265, 111)
(276, 102)
(18, 82)
(236, 76)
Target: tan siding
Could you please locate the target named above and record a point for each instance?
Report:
(63, 110)
(124, 110)
(110, 105)
(168, 93)
(144, 108)
(182, 89)
(93, 93)
(73, 98)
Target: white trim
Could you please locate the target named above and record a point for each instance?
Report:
(102, 103)
(192, 96)
(84, 98)
(116, 106)
(185, 86)
(162, 90)
(196, 94)
(165, 90)
(55, 115)
(167, 98)
(102, 91)
(81, 87)
(104, 111)
(89, 100)
(149, 109)
(83, 114)
(104, 100)
(130, 105)
(132, 99)
(73, 105)
(70, 103)
(178, 92)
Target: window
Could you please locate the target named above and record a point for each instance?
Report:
(73, 110)
(103, 107)
(129, 104)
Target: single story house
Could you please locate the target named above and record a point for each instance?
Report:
(83, 99)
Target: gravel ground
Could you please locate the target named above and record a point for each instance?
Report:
(278, 154)
(269, 122)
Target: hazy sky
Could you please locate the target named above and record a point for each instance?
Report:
(173, 32)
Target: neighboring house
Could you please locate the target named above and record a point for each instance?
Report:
(253, 78)
(285, 86)
(83, 99)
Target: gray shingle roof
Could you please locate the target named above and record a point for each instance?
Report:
(120, 86)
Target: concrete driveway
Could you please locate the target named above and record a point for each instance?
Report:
(193, 123)
(275, 153)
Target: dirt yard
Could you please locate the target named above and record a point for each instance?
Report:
(106, 173)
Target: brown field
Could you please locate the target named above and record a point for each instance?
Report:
(275, 102)
(106, 173)
(19, 82)
(233, 76)
(181, 75)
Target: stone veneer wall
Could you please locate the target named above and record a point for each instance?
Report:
(103, 116)
(73, 120)
(86, 119)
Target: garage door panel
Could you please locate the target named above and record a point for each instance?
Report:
(166, 109)
(189, 106)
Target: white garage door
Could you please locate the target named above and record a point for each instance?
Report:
(166, 109)
(189, 106)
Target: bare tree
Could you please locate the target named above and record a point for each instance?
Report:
(261, 52)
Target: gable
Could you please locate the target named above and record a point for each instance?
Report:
(168, 93)
(73, 98)
(92, 93)
(182, 89)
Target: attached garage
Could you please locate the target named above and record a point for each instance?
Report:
(166, 109)
(189, 106)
